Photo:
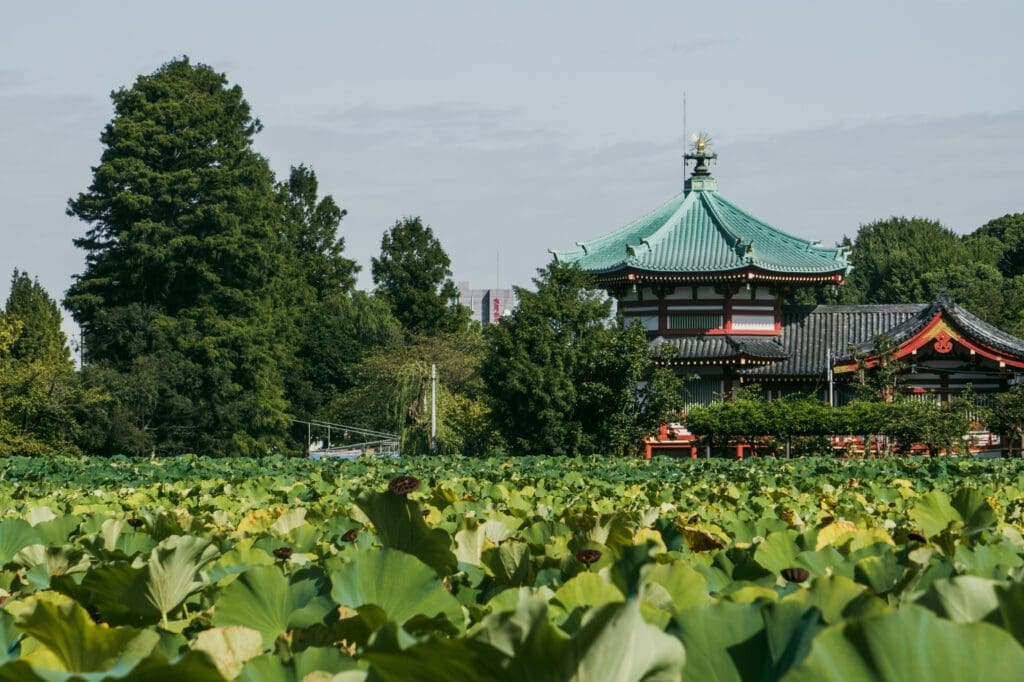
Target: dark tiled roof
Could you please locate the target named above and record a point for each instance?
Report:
(969, 323)
(809, 332)
(723, 347)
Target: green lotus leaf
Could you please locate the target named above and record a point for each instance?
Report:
(963, 598)
(910, 644)
(509, 564)
(613, 643)
(193, 666)
(15, 535)
(173, 570)
(933, 513)
(44, 562)
(789, 628)
(830, 595)
(778, 551)
(57, 530)
(398, 583)
(880, 572)
(724, 642)
(270, 668)
(118, 592)
(1011, 608)
(687, 588)
(988, 561)
(238, 559)
(975, 510)
(586, 590)
(398, 521)
(264, 599)
(118, 540)
(61, 636)
(9, 636)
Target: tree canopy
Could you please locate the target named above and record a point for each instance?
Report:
(413, 275)
(42, 399)
(188, 291)
(563, 378)
(912, 260)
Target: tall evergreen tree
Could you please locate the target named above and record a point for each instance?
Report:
(41, 337)
(188, 278)
(41, 396)
(314, 223)
(413, 275)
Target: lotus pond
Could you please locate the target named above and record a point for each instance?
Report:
(525, 569)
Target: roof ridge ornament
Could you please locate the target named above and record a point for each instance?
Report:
(701, 178)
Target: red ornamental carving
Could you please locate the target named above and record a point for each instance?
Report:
(943, 342)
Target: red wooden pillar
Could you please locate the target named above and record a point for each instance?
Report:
(693, 452)
(648, 451)
(739, 452)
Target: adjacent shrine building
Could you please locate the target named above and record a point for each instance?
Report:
(707, 278)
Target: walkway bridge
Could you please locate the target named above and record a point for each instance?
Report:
(326, 440)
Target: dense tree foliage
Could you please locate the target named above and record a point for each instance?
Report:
(890, 256)
(189, 295)
(912, 260)
(42, 399)
(312, 223)
(217, 304)
(773, 425)
(563, 377)
(391, 392)
(413, 275)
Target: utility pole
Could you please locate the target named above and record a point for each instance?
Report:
(831, 377)
(433, 409)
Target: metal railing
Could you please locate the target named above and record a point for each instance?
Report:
(379, 443)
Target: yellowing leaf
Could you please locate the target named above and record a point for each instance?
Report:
(256, 521)
(230, 647)
(833, 533)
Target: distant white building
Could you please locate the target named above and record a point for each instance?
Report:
(486, 306)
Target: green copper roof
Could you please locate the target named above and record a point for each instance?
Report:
(700, 232)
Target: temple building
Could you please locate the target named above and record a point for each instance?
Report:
(710, 280)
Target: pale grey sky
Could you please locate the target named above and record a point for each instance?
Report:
(524, 126)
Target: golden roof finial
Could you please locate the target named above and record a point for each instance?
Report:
(700, 142)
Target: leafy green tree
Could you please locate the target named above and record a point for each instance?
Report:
(314, 223)
(187, 266)
(890, 257)
(1008, 415)
(564, 379)
(334, 325)
(41, 337)
(413, 275)
(983, 290)
(879, 381)
(1001, 243)
(338, 334)
(391, 392)
(41, 396)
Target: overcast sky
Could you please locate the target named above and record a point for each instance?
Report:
(533, 125)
